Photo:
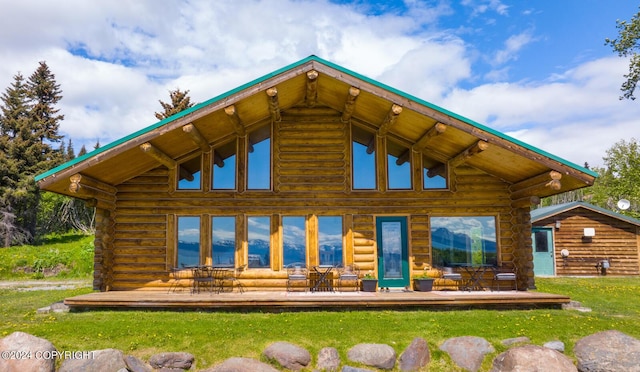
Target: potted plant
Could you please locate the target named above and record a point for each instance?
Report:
(369, 282)
(424, 281)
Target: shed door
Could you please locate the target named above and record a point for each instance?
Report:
(393, 266)
(543, 252)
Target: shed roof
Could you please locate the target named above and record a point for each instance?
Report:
(359, 98)
(553, 210)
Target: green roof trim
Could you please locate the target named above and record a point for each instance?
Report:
(311, 58)
(552, 210)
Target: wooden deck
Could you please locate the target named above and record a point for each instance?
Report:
(278, 301)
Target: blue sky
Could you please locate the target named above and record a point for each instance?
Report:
(536, 70)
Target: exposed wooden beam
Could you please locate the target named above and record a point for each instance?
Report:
(312, 88)
(350, 104)
(404, 157)
(185, 174)
(78, 181)
(391, 118)
(434, 131)
(232, 114)
(371, 146)
(465, 155)
(526, 202)
(438, 170)
(196, 137)
(158, 155)
(274, 106)
(529, 187)
(217, 159)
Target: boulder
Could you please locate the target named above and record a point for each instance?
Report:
(375, 355)
(136, 365)
(179, 360)
(355, 369)
(555, 345)
(99, 360)
(328, 359)
(516, 340)
(468, 351)
(24, 352)
(241, 365)
(415, 356)
(532, 358)
(610, 351)
(288, 355)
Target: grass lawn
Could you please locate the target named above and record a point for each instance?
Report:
(215, 336)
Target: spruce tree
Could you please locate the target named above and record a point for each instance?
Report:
(180, 101)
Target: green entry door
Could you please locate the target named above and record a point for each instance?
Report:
(393, 266)
(542, 240)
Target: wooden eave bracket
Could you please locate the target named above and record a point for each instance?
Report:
(274, 106)
(232, 114)
(158, 155)
(530, 186)
(350, 104)
(197, 137)
(96, 193)
(311, 97)
(391, 118)
(465, 155)
(433, 132)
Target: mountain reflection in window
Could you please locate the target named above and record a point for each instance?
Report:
(258, 236)
(188, 241)
(463, 240)
(294, 245)
(223, 241)
(330, 240)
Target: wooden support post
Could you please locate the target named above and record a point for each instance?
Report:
(350, 104)
(158, 155)
(312, 88)
(196, 137)
(232, 114)
(274, 106)
(526, 202)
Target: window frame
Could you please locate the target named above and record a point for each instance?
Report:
(250, 150)
(248, 239)
(489, 252)
(178, 262)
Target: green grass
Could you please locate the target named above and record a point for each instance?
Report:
(58, 257)
(213, 336)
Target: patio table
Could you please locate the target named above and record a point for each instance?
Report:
(476, 276)
(323, 278)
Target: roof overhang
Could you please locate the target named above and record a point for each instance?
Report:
(531, 172)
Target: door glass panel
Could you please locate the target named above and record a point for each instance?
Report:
(223, 241)
(541, 241)
(391, 249)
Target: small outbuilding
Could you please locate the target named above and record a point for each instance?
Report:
(579, 238)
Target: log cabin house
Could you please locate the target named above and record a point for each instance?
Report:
(581, 239)
(317, 164)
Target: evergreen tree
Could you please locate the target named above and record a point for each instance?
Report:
(180, 101)
(628, 45)
(83, 150)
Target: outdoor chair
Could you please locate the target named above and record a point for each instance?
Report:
(177, 278)
(349, 276)
(502, 275)
(232, 277)
(203, 277)
(448, 275)
(297, 276)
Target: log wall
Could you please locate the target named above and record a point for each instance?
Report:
(311, 177)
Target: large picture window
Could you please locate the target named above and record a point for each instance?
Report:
(259, 241)
(188, 241)
(363, 152)
(294, 240)
(189, 174)
(463, 240)
(330, 240)
(259, 159)
(223, 241)
(224, 167)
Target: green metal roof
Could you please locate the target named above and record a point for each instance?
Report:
(311, 58)
(552, 210)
